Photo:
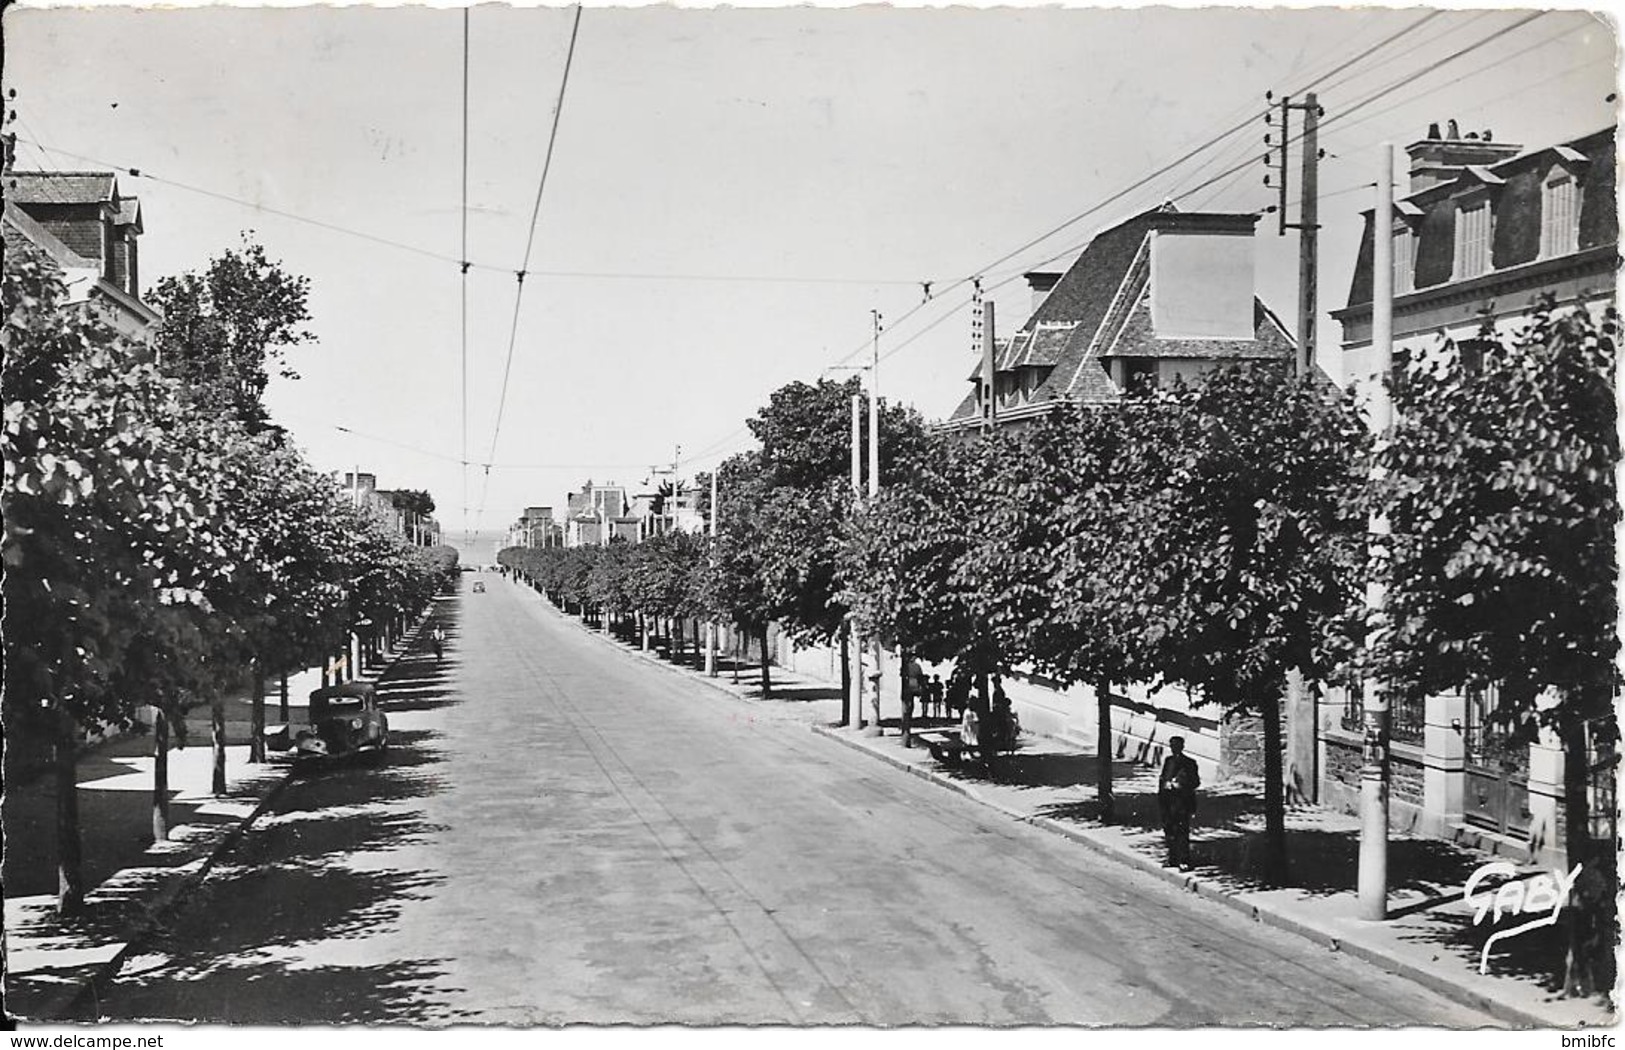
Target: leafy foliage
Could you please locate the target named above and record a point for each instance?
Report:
(226, 329)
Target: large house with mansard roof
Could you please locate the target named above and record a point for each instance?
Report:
(1163, 295)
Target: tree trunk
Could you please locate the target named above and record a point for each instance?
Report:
(1589, 915)
(1104, 750)
(1275, 859)
(70, 882)
(874, 691)
(643, 628)
(983, 705)
(256, 721)
(160, 776)
(846, 674)
(282, 695)
(217, 741)
(906, 698)
(767, 680)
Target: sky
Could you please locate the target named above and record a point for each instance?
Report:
(731, 192)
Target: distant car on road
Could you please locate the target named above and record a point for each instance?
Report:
(479, 587)
(343, 720)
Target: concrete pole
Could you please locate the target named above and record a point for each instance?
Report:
(711, 625)
(874, 490)
(874, 411)
(855, 700)
(1373, 879)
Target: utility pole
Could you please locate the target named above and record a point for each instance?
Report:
(982, 336)
(874, 490)
(854, 655)
(1308, 226)
(1303, 750)
(1374, 770)
(711, 625)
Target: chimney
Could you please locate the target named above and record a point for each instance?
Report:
(1042, 282)
(1435, 160)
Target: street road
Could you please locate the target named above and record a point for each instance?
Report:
(565, 832)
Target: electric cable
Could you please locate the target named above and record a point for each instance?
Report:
(530, 241)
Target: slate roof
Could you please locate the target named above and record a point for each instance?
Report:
(61, 187)
(1515, 188)
(64, 256)
(1101, 302)
(1137, 339)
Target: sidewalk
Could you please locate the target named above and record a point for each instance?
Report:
(1429, 938)
(132, 882)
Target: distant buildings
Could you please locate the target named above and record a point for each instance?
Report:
(601, 512)
(536, 528)
(399, 509)
(82, 222)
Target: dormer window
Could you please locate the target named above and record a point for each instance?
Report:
(1472, 239)
(1404, 259)
(1559, 215)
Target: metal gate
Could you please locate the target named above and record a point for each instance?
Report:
(1496, 793)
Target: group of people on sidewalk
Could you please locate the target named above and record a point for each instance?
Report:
(997, 727)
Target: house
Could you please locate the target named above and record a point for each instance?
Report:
(536, 528)
(1163, 295)
(1486, 232)
(1158, 298)
(668, 508)
(91, 231)
(597, 514)
(363, 491)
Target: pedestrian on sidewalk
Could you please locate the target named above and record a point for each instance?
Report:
(936, 697)
(913, 691)
(1176, 797)
(437, 641)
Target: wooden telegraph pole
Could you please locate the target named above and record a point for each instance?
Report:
(1308, 226)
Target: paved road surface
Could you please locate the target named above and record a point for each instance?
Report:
(566, 833)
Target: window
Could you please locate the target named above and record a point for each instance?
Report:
(1139, 373)
(1404, 260)
(1472, 240)
(1559, 216)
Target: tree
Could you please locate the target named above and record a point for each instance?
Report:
(734, 588)
(110, 529)
(803, 471)
(1503, 501)
(1241, 546)
(226, 329)
(1054, 526)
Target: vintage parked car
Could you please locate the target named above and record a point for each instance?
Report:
(344, 720)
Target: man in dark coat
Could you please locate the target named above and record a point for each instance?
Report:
(1176, 797)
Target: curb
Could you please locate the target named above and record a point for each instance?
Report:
(1206, 889)
(71, 999)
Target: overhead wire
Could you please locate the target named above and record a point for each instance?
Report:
(475, 266)
(530, 242)
(463, 283)
(1234, 129)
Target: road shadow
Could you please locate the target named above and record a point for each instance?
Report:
(317, 872)
(270, 993)
(1229, 845)
(115, 823)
